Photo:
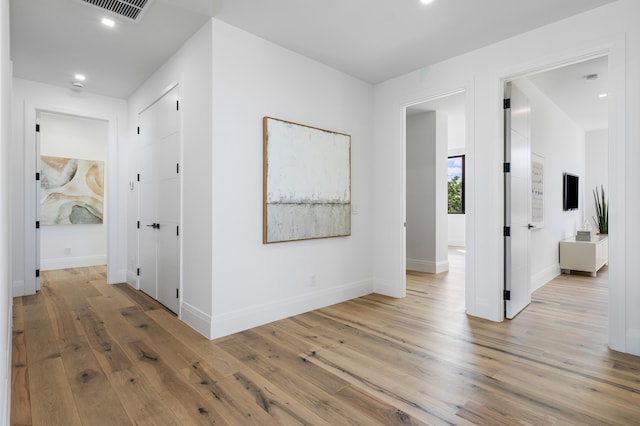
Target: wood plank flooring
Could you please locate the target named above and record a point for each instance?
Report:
(87, 353)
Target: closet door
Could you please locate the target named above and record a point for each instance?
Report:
(159, 233)
(168, 214)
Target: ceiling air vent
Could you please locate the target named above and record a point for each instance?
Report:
(130, 9)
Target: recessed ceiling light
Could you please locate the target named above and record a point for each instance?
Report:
(80, 77)
(108, 22)
(426, 1)
(602, 95)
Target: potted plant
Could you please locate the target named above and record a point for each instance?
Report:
(602, 212)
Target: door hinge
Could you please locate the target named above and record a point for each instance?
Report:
(507, 231)
(37, 127)
(37, 224)
(37, 176)
(178, 105)
(138, 224)
(506, 104)
(138, 177)
(177, 231)
(506, 167)
(177, 293)
(138, 272)
(506, 295)
(138, 129)
(37, 273)
(177, 167)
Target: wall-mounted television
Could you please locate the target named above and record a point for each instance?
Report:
(570, 192)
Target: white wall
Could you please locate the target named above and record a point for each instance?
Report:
(421, 227)
(597, 170)
(6, 307)
(426, 206)
(190, 68)
(255, 283)
(614, 28)
(30, 97)
(561, 143)
(87, 139)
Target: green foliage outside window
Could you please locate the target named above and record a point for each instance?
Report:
(455, 184)
(455, 194)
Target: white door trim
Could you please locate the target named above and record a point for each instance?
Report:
(30, 113)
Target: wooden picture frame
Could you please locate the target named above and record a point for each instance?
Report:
(306, 182)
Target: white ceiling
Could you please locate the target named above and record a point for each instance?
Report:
(373, 40)
(577, 96)
(565, 86)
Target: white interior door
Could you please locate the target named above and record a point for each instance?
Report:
(169, 203)
(160, 201)
(38, 198)
(517, 202)
(148, 238)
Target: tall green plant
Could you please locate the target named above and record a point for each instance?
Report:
(602, 213)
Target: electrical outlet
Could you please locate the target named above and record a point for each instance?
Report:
(313, 281)
(67, 251)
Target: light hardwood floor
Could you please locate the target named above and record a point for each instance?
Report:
(92, 354)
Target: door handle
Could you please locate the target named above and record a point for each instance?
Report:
(154, 226)
(530, 226)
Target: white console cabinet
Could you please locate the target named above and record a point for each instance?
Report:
(587, 256)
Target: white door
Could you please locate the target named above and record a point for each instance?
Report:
(38, 200)
(159, 209)
(517, 200)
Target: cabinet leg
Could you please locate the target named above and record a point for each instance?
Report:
(594, 274)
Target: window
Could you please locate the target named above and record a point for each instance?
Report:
(455, 184)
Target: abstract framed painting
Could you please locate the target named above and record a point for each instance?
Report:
(71, 191)
(307, 182)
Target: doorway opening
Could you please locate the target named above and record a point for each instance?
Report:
(435, 187)
(71, 188)
(556, 125)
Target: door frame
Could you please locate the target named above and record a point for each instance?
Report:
(401, 264)
(615, 51)
(31, 111)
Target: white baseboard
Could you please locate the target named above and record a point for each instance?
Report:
(121, 277)
(72, 262)
(132, 279)
(196, 319)
(428, 266)
(385, 288)
(541, 278)
(243, 319)
(18, 288)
